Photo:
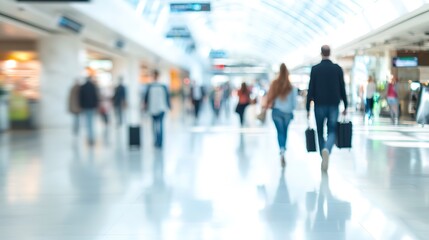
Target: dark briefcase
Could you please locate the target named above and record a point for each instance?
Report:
(134, 136)
(343, 138)
(310, 139)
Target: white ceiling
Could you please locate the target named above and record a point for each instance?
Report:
(277, 30)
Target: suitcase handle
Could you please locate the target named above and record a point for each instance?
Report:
(344, 119)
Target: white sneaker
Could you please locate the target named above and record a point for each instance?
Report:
(325, 159)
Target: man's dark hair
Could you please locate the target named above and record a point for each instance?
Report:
(325, 50)
(155, 73)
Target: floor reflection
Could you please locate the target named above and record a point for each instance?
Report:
(330, 216)
(85, 176)
(243, 157)
(281, 214)
(158, 196)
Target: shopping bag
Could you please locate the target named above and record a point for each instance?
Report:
(310, 139)
(343, 137)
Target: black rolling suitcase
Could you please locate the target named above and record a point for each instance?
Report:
(310, 139)
(343, 138)
(134, 136)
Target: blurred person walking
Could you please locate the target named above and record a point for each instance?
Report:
(326, 89)
(226, 98)
(197, 96)
(370, 91)
(392, 100)
(119, 101)
(216, 99)
(157, 102)
(282, 97)
(89, 102)
(74, 106)
(104, 107)
(243, 101)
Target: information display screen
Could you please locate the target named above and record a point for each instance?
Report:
(190, 7)
(70, 24)
(52, 1)
(405, 62)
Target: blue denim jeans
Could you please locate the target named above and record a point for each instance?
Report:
(89, 119)
(281, 121)
(330, 114)
(158, 128)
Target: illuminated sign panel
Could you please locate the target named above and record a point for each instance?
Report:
(190, 7)
(179, 32)
(405, 62)
(70, 24)
(52, 1)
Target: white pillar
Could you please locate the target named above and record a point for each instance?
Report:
(119, 70)
(133, 89)
(129, 68)
(62, 60)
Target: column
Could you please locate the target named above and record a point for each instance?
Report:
(133, 89)
(62, 61)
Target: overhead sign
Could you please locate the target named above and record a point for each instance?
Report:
(190, 7)
(405, 62)
(179, 32)
(52, 1)
(218, 54)
(70, 24)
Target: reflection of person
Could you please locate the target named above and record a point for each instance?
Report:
(74, 106)
(157, 102)
(197, 96)
(282, 98)
(392, 100)
(89, 101)
(243, 101)
(281, 214)
(331, 213)
(119, 101)
(158, 196)
(326, 89)
(370, 90)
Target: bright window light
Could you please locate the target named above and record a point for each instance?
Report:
(10, 64)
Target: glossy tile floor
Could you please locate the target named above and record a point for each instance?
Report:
(214, 182)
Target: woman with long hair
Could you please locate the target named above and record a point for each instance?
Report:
(243, 101)
(282, 99)
(392, 99)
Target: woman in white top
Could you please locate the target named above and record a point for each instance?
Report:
(282, 99)
(157, 102)
(370, 91)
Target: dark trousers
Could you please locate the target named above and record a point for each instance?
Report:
(158, 128)
(330, 115)
(197, 107)
(369, 106)
(241, 108)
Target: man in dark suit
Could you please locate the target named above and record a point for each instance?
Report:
(197, 95)
(119, 101)
(326, 89)
(89, 100)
